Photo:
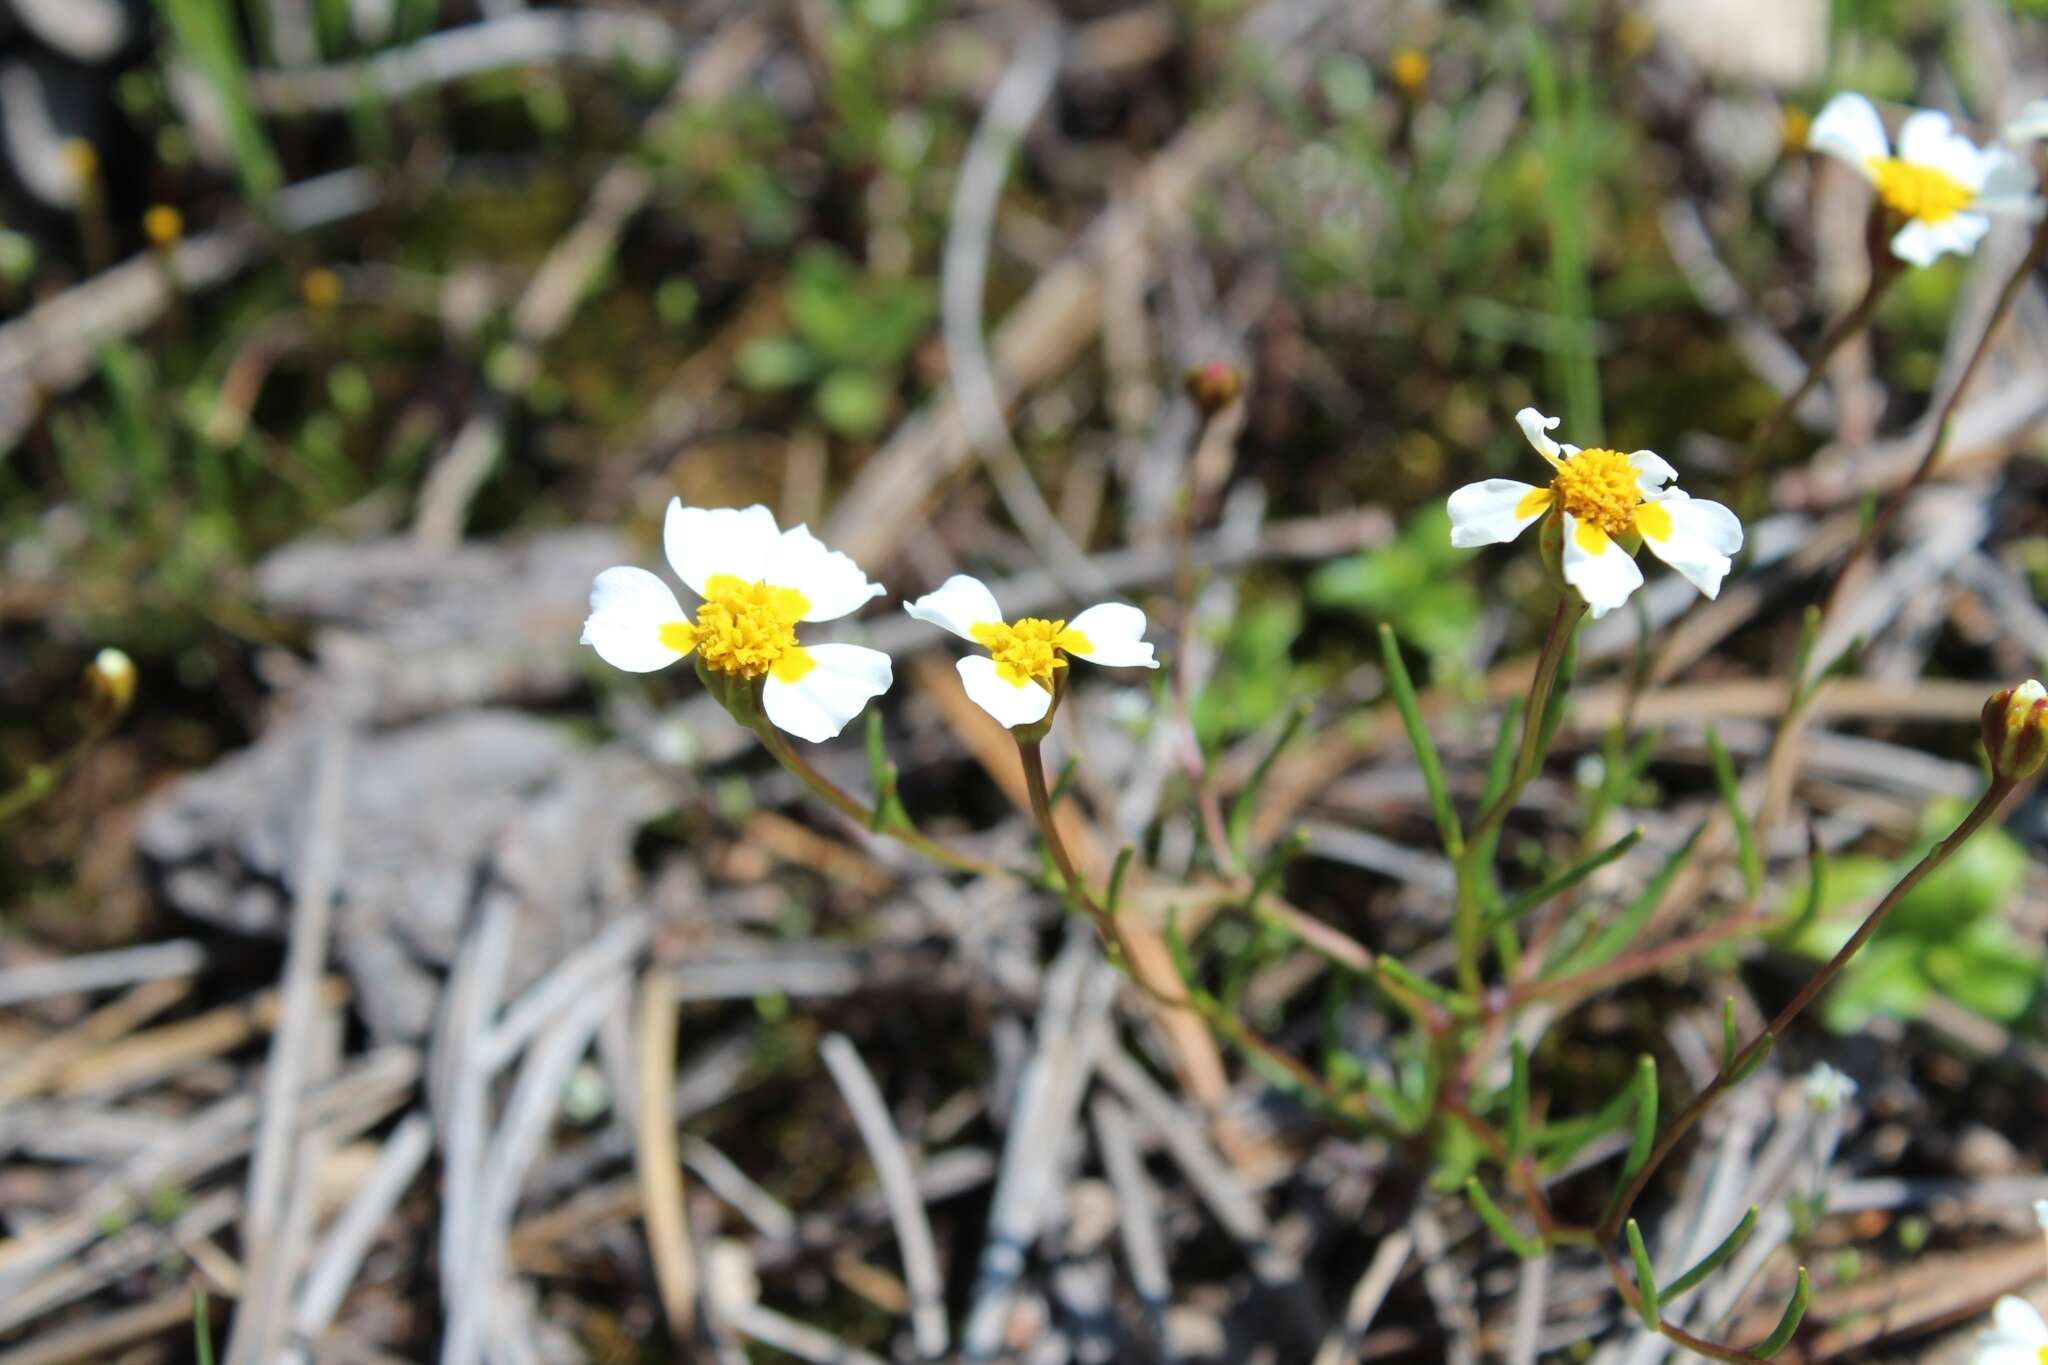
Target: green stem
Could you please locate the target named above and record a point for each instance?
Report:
(859, 811)
(1048, 829)
(1468, 927)
(1738, 1066)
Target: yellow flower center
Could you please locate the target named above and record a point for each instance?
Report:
(1030, 650)
(745, 629)
(1919, 191)
(1599, 488)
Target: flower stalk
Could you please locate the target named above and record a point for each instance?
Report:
(1740, 1065)
(1468, 925)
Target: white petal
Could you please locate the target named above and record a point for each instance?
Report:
(1486, 513)
(2009, 185)
(1849, 129)
(1927, 138)
(628, 608)
(1537, 427)
(1704, 538)
(959, 604)
(1993, 1350)
(830, 581)
(1605, 580)
(842, 680)
(704, 541)
(2032, 124)
(2040, 1205)
(1653, 471)
(1116, 636)
(1012, 705)
(1921, 244)
(2020, 1320)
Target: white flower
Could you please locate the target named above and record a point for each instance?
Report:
(757, 584)
(1602, 495)
(1828, 1091)
(1014, 681)
(2031, 125)
(2017, 1335)
(1940, 182)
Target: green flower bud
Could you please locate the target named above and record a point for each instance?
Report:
(2016, 730)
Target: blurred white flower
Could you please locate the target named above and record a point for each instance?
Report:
(758, 583)
(1604, 496)
(1942, 184)
(1828, 1091)
(2017, 1335)
(2031, 125)
(1014, 681)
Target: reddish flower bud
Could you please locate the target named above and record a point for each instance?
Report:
(1214, 385)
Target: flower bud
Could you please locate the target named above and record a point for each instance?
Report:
(1214, 385)
(109, 686)
(2016, 730)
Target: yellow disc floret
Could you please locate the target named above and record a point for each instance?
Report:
(1599, 488)
(1030, 650)
(745, 629)
(1920, 192)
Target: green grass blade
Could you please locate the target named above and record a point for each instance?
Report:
(1403, 688)
(1731, 796)
(205, 35)
(1622, 930)
(1566, 880)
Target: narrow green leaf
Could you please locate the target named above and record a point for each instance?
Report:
(1560, 694)
(1528, 1248)
(1644, 1134)
(1398, 975)
(1500, 764)
(1562, 1140)
(202, 1327)
(1714, 1259)
(1622, 930)
(1403, 688)
(1802, 658)
(1746, 853)
(1763, 1045)
(1566, 880)
(1518, 1100)
(1816, 892)
(1240, 819)
(1728, 1043)
(1795, 1313)
(1646, 1277)
(1116, 878)
(882, 777)
(1065, 782)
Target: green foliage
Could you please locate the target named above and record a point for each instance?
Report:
(1256, 678)
(1946, 937)
(1412, 584)
(204, 33)
(850, 335)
